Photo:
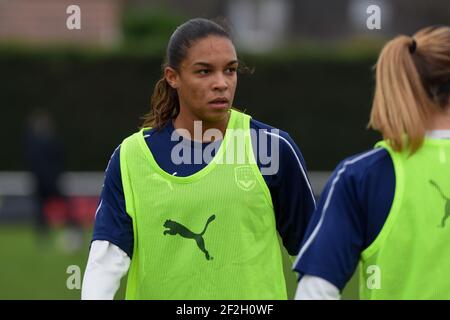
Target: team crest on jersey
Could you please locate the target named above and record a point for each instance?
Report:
(245, 178)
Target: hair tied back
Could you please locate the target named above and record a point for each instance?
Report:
(412, 46)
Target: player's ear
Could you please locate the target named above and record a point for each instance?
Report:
(172, 77)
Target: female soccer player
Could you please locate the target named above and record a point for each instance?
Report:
(193, 226)
(388, 208)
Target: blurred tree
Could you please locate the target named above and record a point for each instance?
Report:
(149, 29)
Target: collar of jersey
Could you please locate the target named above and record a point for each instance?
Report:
(199, 174)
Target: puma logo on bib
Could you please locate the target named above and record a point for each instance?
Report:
(174, 228)
(447, 203)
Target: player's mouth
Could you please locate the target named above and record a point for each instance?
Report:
(219, 103)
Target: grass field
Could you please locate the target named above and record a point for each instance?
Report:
(29, 270)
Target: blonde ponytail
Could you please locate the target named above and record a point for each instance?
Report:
(409, 73)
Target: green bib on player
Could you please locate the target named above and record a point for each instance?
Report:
(211, 235)
(410, 258)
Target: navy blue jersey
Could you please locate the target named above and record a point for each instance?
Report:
(350, 214)
(290, 189)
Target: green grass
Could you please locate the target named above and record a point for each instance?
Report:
(30, 269)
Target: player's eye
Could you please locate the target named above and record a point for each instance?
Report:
(203, 71)
(231, 70)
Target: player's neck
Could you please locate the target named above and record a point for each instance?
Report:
(191, 124)
(439, 120)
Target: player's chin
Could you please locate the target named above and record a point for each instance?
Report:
(214, 114)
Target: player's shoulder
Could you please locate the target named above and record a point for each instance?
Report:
(151, 136)
(370, 163)
(114, 163)
(272, 134)
(146, 132)
(277, 140)
(114, 160)
(268, 129)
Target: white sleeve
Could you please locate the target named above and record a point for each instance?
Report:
(106, 265)
(315, 288)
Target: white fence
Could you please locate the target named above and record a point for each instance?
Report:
(17, 187)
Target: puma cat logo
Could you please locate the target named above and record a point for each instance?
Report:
(447, 203)
(174, 228)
